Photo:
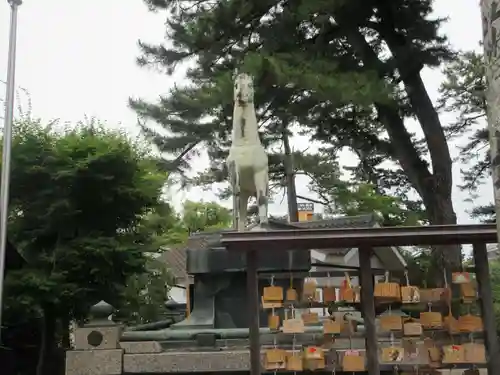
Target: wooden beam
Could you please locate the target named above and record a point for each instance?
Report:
(368, 310)
(305, 239)
(253, 311)
(487, 312)
(281, 274)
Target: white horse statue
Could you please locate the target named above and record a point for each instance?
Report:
(247, 161)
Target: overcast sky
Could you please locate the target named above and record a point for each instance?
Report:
(77, 58)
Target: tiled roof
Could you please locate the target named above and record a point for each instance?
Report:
(175, 257)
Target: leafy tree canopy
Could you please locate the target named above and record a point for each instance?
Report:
(355, 196)
(495, 284)
(78, 200)
(146, 293)
(201, 216)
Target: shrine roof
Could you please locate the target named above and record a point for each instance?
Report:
(175, 257)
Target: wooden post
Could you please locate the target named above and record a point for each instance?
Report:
(188, 297)
(486, 300)
(253, 311)
(368, 309)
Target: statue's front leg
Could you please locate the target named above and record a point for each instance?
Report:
(234, 177)
(262, 189)
(235, 189)
(242, 211)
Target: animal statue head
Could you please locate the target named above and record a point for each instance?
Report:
(243, 89)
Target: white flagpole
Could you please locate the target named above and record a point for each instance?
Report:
(7, 143)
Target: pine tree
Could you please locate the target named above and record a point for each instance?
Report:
(327, 67)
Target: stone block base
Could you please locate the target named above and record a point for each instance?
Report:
(94, 362)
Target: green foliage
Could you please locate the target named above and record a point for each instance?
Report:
(420, 266)
(495, 285)
(145, 294)
(485, 214)
(200, 216)
(79, 199)
(163, 226)
(355, 197)
(463, 93)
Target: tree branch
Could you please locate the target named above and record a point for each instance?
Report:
(312, 200)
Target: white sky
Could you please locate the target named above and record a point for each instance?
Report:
(77, 58)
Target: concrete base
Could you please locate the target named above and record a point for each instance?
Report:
(141, 347)
(187, 362)
(150, 358)
(94, 362)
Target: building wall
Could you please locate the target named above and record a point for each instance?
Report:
(336, 281)
(337, 259)
(493, 251)
(178, 294)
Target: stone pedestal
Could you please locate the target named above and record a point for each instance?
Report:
(97, 345)
(220, 289)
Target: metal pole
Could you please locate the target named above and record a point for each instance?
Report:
(7, 144)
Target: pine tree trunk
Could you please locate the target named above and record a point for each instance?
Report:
(42, 352)
(47, 349)
(65, 333)
(291, 192)
(448, 257)
(490, 10)
(434, 188)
